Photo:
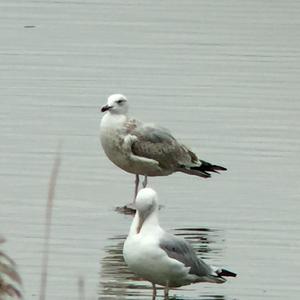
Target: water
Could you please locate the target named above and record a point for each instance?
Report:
(222, 76)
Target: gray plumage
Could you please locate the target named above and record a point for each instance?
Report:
(182, 251)
(158, 143)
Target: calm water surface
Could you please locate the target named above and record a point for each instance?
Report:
(223, 76)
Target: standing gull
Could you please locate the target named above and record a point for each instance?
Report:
(160, 257)
(145, 149)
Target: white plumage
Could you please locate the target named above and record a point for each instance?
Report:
(160, 257)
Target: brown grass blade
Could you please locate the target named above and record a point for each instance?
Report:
(47, 236)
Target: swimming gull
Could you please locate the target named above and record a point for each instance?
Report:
(160, 257)
(145, 149)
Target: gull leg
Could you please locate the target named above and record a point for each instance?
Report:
(129, 208)
(145, 181)
(166, 292)
(137, 181)
(154, 291)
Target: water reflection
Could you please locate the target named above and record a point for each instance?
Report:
(117, 282)
(205, 241)
(205, 297)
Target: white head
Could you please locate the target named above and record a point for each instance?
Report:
(146, 203)
(116, 104)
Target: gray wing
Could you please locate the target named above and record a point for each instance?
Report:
(182, 251)
(158, 143)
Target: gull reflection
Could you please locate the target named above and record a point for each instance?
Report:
(117, 282)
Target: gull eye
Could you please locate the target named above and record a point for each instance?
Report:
(120, 101)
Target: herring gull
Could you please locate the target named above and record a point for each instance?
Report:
(145, 149)
(160, 257)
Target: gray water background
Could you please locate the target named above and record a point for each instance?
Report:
(223, 76)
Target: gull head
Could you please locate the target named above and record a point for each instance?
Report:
(116, 104)
(146, 204)
(146, 200)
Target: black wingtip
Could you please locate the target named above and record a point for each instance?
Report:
(226, 273)
(219, 168)
(205, 174)
(206, 167)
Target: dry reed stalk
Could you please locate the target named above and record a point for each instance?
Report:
(81, 289)
(47, 236)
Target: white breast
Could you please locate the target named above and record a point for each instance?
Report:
(116, 144)
(145, 258)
